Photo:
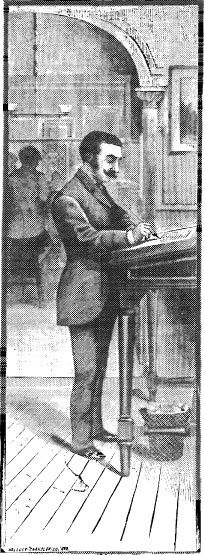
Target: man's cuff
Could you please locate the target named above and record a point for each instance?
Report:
(130, 237)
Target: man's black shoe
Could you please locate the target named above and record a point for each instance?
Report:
(104, 435)
(90, 452)
(93, 454)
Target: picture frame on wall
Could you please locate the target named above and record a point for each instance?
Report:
(183, 113)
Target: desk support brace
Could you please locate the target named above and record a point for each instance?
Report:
(152, 327)
(126, 326)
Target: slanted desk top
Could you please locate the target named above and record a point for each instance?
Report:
(169, 261)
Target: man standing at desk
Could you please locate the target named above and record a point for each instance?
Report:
(91, 225)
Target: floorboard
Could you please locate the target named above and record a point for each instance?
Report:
(137, 529)
(165, 511)
(90, 472)
(17, 429)
(186, 537)
(41, 512)
(23, 459)
(13, 449)
(109, 529)
(26, 501)
(10, 421)
(31, 473)
(92, 509)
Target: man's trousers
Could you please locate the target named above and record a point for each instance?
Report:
(90, 345)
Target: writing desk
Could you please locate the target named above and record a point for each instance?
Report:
(141, 270)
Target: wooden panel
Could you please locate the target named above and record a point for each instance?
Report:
(175, 335)
(24, 128)
(24, 96)
(175, 218)
(21, 38)
(176, 176)
(176, 340)
(182, 179)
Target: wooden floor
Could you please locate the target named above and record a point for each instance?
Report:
(57, 499)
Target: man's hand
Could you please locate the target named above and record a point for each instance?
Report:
(142, 231)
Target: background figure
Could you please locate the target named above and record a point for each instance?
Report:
(28, 239)
(12, 161)
(55, 186)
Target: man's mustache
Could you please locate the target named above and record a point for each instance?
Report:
(111, 173)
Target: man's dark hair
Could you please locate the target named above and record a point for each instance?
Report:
(91, 143)
(28, 154)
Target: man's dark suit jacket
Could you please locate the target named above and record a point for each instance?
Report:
(91, 225)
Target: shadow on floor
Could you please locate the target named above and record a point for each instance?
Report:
(39, 416)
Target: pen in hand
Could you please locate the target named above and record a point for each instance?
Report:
(153, 237)
(154, 234)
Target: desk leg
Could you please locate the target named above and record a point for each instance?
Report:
(152, 326)
(125, 424)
